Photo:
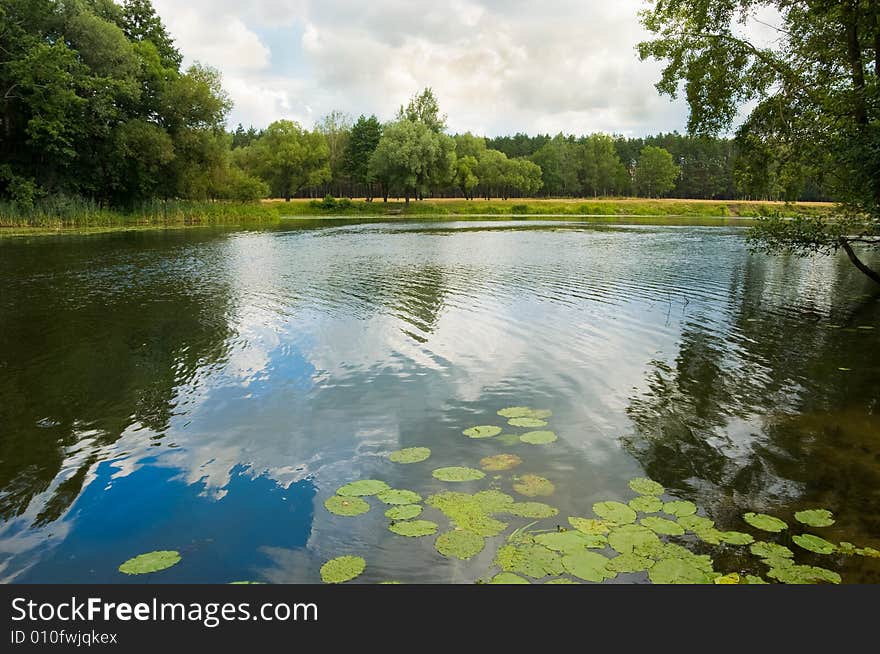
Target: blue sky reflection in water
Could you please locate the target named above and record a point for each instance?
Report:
(206, 390)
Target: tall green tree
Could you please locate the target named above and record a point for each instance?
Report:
(655, 172)
(362, 142)
(423, 108)
(816, 89)
(336, 128)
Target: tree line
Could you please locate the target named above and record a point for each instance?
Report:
(94, 104)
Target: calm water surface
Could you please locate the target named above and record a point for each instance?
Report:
(207, 390)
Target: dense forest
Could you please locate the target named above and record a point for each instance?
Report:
(95, 107)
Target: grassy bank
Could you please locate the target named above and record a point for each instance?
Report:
(83, 217)
(86, 216)
(543, 207)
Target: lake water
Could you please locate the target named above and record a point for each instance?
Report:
(206, 390)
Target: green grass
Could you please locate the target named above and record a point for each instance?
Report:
(78, 214)
(533, 207)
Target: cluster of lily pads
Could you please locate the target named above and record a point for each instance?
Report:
(638, 536)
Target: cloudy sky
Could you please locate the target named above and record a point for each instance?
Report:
(497, 66)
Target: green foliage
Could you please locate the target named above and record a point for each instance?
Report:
(645, 486)
(150, 562)
(655, 172)
(459, 544)
(765, 522)
(815, 517)
(413, 528)
(482, 431)
(410, 455)
(538, 437)
(346, 506)
(403, 512)
(362, 488)
(457, 473)
(342, 569)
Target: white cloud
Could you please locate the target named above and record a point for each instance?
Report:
(497, 67)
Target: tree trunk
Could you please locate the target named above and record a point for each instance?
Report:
(872, 274)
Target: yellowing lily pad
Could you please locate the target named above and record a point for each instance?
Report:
(457, 473)
(346, 506)
(459, 544)
(729, 579)
(645, 486)
(362, 488)
(615, 512)
(589, 566)
(589, 526)
(410, 455)
(662, 526)
(680, 508)
(646, 504)
(498, 462)
(413, 528)
(814, 544)
(341, 569)
(534, 486)
(526, 422)
(482, 431)
(815, 517)
(395, 496)
(405, 512)
(538, 437)
(150, 562)
(765, 522)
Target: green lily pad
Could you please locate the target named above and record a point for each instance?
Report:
(531, 560)
(561, 580)
(508, 578)
(615, 512)
(589, 526)
(754, 580)
(498, 462)
(765, 522)
(468, 513)
(457, 473)
(526, 422)
(675, 551)
(413, 528)
(695, 523)
(869, 552)
(395, 496)
(711, 535)
(482, 431)
(404, 512)
(362, 488)
(150, 562)
(531, 510)
(569, 542)
(662, 526)
(459, 544)
(815, 517)
(534, 486)
(804, 574)
(589, 566)
(680, 508)
(410, 455)
(492, 501)
(341, 569)
(538, 437)
(735, 538)
(765, 550)
(627, 539)
(629, 563)
(646, 504)
(346, 506)
(515, 412)
(645, 486)
(677, 571)
(814, 544)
